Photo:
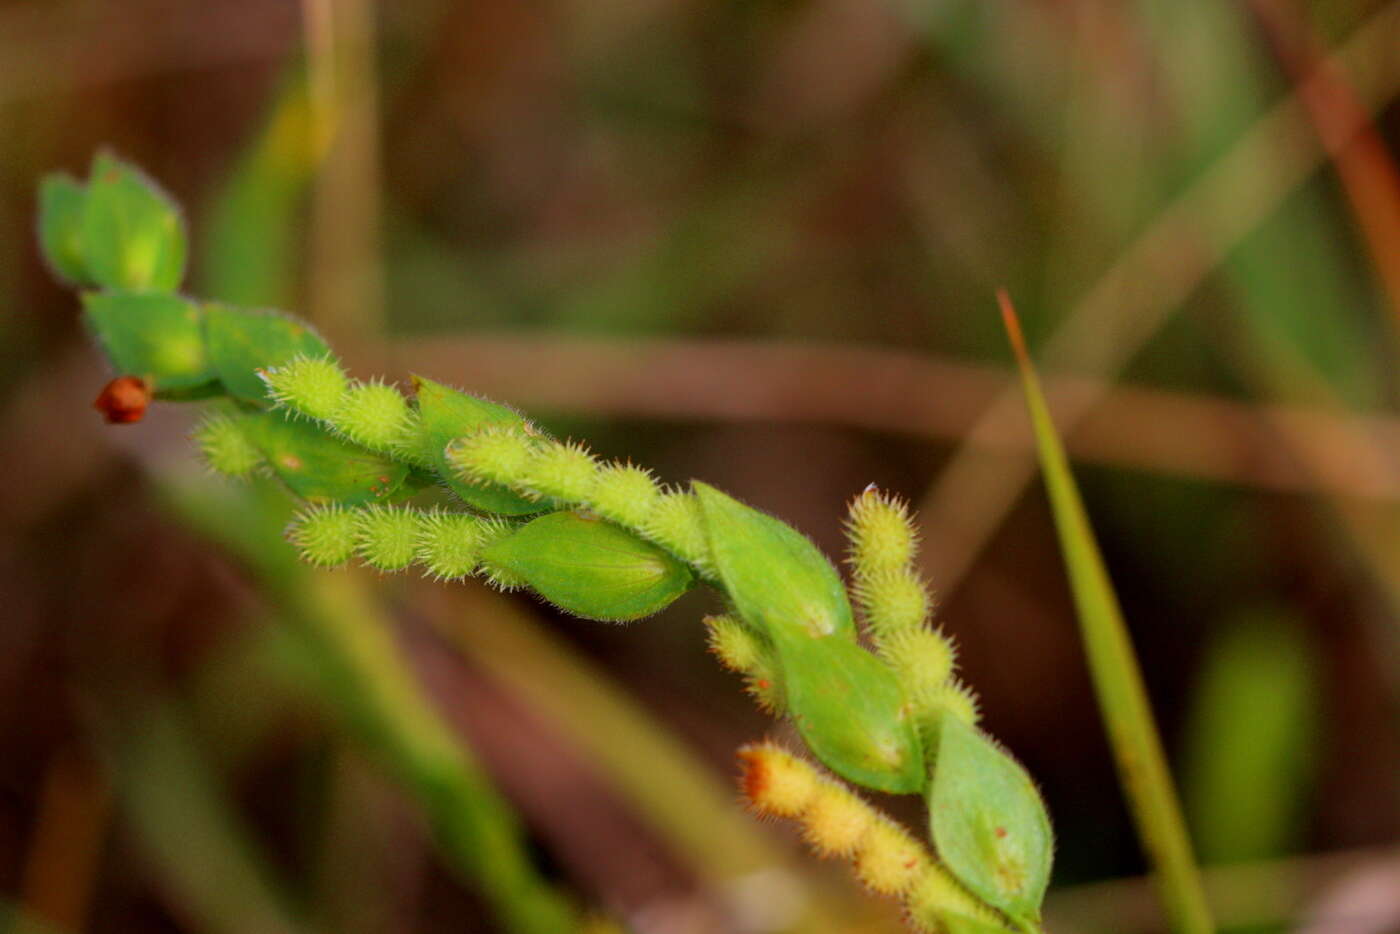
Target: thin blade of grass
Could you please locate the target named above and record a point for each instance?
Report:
(1113, 666)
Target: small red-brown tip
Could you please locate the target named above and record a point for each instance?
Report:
(1013, 324)
(123, 400)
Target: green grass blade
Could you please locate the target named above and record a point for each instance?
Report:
(1117, 679)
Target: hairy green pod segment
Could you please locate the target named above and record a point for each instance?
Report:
(156, 336)
(590, 567)
(988, 822)
(62, 200)
(132, 235)
(444, 414)
(847, 705)
(226, 447)
(318, 466)
(242, 341)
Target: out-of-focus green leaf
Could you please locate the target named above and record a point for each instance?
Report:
(61, 204)
(132, 234)
(1251, 739)
(154, 335)
(241, 341)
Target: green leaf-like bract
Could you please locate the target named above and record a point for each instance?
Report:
(132, 235)
(590, 567)
(242, 341)
(320, 467)
(988, 823)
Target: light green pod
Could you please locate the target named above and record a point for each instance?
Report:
(320, 467)
(846, 703)
(152, 335)
(61, 202)
(445, 414)
(132, 235)
(241, 341)
(590, 567)
(988, 823)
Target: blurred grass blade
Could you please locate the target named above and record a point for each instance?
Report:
(1117, 680)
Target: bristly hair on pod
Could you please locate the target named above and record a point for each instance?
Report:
(625, 494)
(739, 648)
(677, 524)
(880, 533)
(225, 448)
(892, 600)
(923, 661)
(326, 536)
(309, 386)
(565, 471)
(449, 543)
(388, 537)
(374, 414)
(495, 454)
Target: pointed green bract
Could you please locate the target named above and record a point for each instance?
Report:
(61, 202)
(320, 467)
(988, 823)
(152, 335)
(591, 567)
(132, 235)
(242, 341)
(446, 414)
(849, 710)
(778, 579)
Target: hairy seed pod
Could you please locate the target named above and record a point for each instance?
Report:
(625, 494)
(890, 861)
(494, 454)
(774, 781)
(326, 536)
(388, 537)
(677, 524)
(881, 534)
(373, 414)
(938, 904)
(893, 600)
(225, 446)
(922, 660)
(565, 472)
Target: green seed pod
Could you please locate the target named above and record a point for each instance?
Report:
(326, 536)
(590, 567)
(922, 661)
(988, 823)
(444, 414)
(849, 709)
(449, 545)
(388, 537)
(881, 535)
(132, 234)
(741, 649)
(226, 447)
(61, 202)
(563, 471)
(311, 386)
(152, 335)
(241, 342)
(893, 600)
(319, 466)
(778, 579)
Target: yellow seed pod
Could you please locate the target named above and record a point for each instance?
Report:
(881, 535)
(893, 600)
(959, 700)
(922, 659)
(225, 447)
(889, 860)
(737, 646)
(836, 820)
(310, 386)
(625, 494)
(325, 536)
(388, 537)
(775, 782)
(449, 544)
(566, 472)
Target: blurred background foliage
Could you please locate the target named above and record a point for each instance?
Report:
(754, 242)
